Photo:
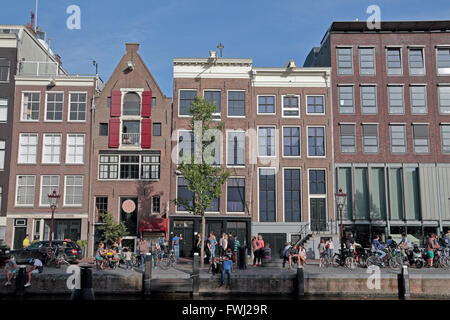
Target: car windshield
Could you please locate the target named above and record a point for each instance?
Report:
(36, 245)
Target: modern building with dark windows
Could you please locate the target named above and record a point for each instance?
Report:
(276, 143)
(131, 152)
(391, 110)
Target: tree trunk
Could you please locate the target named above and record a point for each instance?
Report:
(202, 248)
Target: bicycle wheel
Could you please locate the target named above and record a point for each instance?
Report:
(350, 263)
(164, 263)
(371, 261)
(336, 260)
(395, 262)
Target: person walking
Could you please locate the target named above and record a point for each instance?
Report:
(212, 244)
(255, 250)
(154, 248)
(330, 248)
(260, 249)
(176, 245)
(322, 251)
(26, 241)
(144, 248)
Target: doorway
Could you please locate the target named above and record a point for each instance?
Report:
(318, 214)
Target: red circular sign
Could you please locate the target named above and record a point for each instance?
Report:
(128, 206)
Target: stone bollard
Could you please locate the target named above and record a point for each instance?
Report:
(148, 273)
(403, 284)
(195, 274)
(86, 292)
(300, 281)
(21, 280)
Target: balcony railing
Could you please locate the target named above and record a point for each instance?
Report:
(37, 68)
(130, 139)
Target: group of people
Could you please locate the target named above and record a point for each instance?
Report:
(294, 254)
(227, 245)
(114, 253)
(261, 251)
(11, 269)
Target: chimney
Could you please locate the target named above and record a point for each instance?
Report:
(132, 47)
(58, 58)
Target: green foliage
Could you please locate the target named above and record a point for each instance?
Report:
(111, 231)
(204, 180)
(82, 243)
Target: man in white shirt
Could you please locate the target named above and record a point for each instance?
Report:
(36, 268)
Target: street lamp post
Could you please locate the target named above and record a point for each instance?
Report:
(53, 201)
(340, 201)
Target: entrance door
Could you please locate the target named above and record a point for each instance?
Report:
(318, 214)
(276, 242)
(186, 229)
(239, 229)
(19, 235)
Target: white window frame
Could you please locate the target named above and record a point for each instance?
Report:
(22, 106)
(337, 60)
(274, 105)
(442, 125)
(318, 196)
(401, 61)
(226, 149)
(324, 140)
(65, 191)
(290, 109)
(275, 139)
(245, 102)
(300, 141)
(179, 99)
(378, 137)
(178, 144)
(389, 99)
(67, 148)
(428, 140)
(19, 147)
(215, 116)
(46, 104)
(374, 61)
(40, 190)
(355, 138)
(422, 48)
(339, 98)
(404, 136)
(436, 53)
(226, 196)
(439, 98)
(301, 192)
(276, 190)
(5, 107)
(411, 99)
(69, 106)
(361, 97)
(16, 204)
(43, 147)
(315, 113)
(2, 157)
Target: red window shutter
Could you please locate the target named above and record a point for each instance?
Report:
(146, 133)
(116, 101)
(146, 104)
(114, 133)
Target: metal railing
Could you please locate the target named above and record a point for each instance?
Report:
(130, 139)
(319, 228)
(38, 68)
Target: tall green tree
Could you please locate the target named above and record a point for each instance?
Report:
(111, 231)
(204, 178)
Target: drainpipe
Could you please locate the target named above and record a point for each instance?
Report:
(90, 241)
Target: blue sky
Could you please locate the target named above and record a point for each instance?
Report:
(269, 32)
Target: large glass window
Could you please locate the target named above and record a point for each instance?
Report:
(445, 138)
(345, 61)
(183, 193)
(416, 63)
(291, 107)
(55, 103)
(214, 97)
(370, 138)
(75, 149)
(156, 204)
(129, 167)
(101, 206)
(28, 147)
(109, 166)
(77, 107)
(156, 129)
(362, 194)
(378, 191)
(150, 166)
(51, 152)
(266, 141)
(25, 190)
(266, 104)
(444, 99)
(443, 60)
(236, 103)
(4, 70)
(394, 61)
(186, 98)
(291, 141)
(396, 103)
(316, 141)
(367, 61)
(131, 104)
(418, 99)
(315, 104)
(317, 182)
(48, 184)
(346, 100)
(396, 193)
(73, 195)
(398, 138)
(236, 148)
(3, 110)
(131, 133)
(412, 193)
(421, 138)
(348, 138)
(292, 195)
(369, 99)
(2, 155)
(267, 195)
(235, 194)
(31, 103)
(143, 167)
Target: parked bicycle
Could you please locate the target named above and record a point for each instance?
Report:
(167, 261)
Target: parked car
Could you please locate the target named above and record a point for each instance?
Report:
(39, 250)
(4, 251)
